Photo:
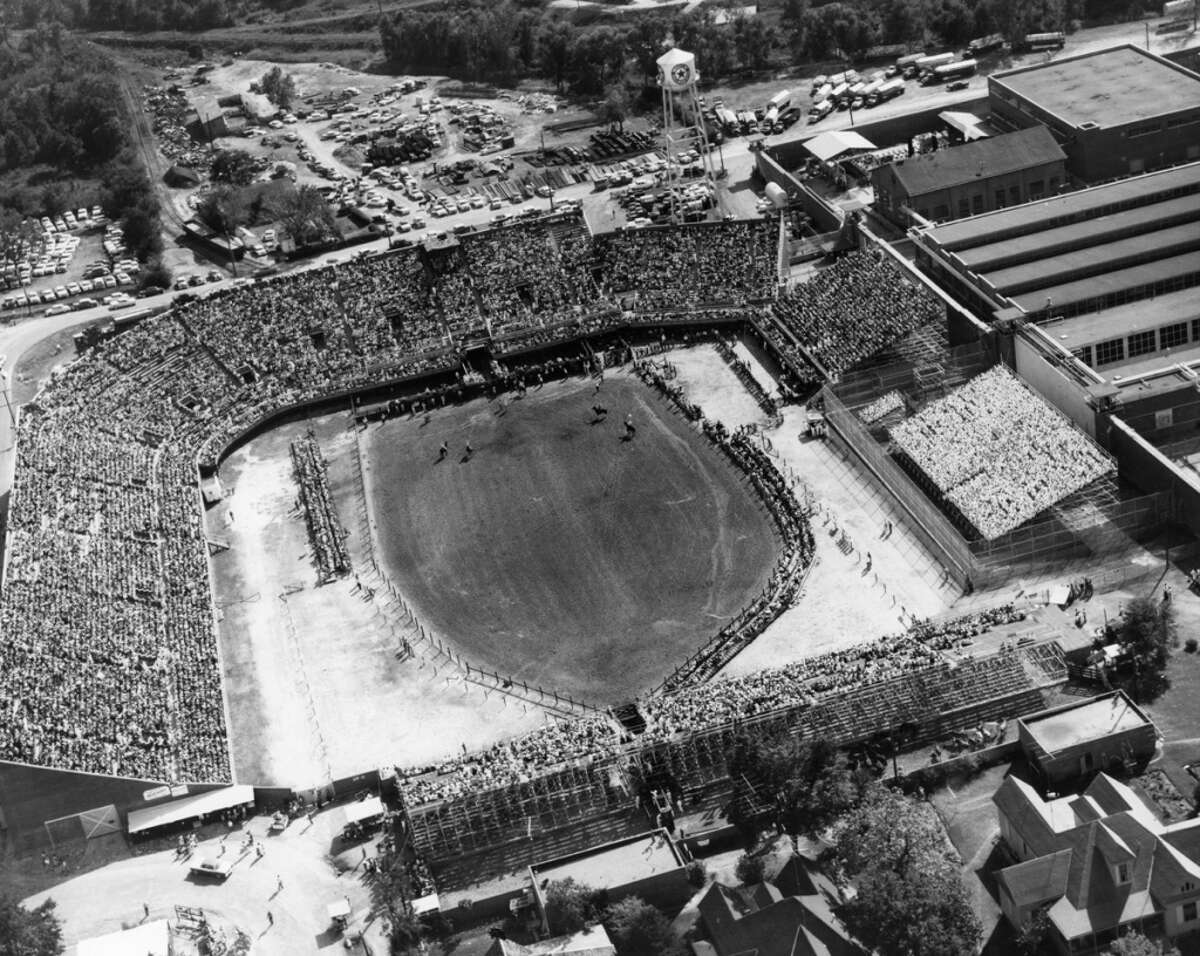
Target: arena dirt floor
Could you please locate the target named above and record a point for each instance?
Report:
(636, 552)
(559, 552)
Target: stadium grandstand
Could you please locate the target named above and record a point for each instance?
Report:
(106, 597)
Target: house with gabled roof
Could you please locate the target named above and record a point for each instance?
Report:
(1099, 863)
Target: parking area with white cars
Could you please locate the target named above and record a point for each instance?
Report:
(50, 272)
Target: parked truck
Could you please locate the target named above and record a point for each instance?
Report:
(927, 64)
(889, 90)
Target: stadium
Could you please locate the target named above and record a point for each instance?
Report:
(452, 517)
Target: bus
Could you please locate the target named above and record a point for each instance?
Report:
(954, 71)
(1045, 41)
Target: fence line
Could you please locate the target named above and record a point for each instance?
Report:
(564, 704)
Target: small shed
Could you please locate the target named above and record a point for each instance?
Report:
(1074, 741)
(182, 177)
(838, 144)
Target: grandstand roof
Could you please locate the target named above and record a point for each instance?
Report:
(995, 156)
(1057, 210)
(1107, 88)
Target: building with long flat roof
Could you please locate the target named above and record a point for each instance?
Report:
(1111, 272)
(977, 177)
(1116, 112)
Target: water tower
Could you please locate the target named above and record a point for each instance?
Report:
(683, 125)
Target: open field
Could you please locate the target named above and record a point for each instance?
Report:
(559, 553)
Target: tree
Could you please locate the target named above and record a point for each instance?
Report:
(616, 106)
(234, 166)
(307, 218)
(223, 210)
(749, 869)
(916, 913)
(638, 929)
(1133, 943)
(23, 932)
(889, 831)
(569, 906)
(554, 44)
(278, 87)
(1148, 633)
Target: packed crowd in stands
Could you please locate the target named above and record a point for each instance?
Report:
(732, 262)
(702, 706)
(325, 531)
(860, 305)
(109, 659)
(998, 452)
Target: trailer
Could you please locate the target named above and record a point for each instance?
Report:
(820, 110)
(822, 93)
(1045, 41)
(870, 93)
(906, 61)
(818, 81)
(982, 45)
(838, 96)
(779, 102)
(729, 121)
(954, 71)
(927, 64)
(890, 90)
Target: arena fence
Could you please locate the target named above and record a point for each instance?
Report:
(86, 825)
(932, 527)
(932, 703)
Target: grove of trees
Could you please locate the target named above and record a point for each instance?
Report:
(23, 932)
(910, 899)
(478, 40)
(63, 114)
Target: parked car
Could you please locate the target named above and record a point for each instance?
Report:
(60, 309)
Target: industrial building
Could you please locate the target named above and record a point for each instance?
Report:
(1079, 262)
(977, 177)
(1116, 112)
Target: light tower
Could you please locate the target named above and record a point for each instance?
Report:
(683, 123)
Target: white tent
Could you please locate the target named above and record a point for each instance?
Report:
(150, 939)
(362, 810)
(838, 142)
(185, 808)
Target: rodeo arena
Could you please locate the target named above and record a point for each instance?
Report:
(114, 662)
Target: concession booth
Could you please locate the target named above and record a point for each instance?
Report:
(360, 818)
(193, 809)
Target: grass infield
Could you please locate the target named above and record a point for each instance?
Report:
(559, 553)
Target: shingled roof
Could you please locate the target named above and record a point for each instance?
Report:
(982, 159)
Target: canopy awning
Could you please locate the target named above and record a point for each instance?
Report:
(968, 124)
(363, 810)
(186, 808)
(837, 143)
(151, 939)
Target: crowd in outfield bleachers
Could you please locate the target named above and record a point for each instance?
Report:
(998, 452)
(108, 662)
(858, 306)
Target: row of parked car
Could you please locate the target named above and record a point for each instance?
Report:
(97, 277)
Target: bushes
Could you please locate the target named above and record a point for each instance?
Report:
(1190, 645)
(749, 869)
